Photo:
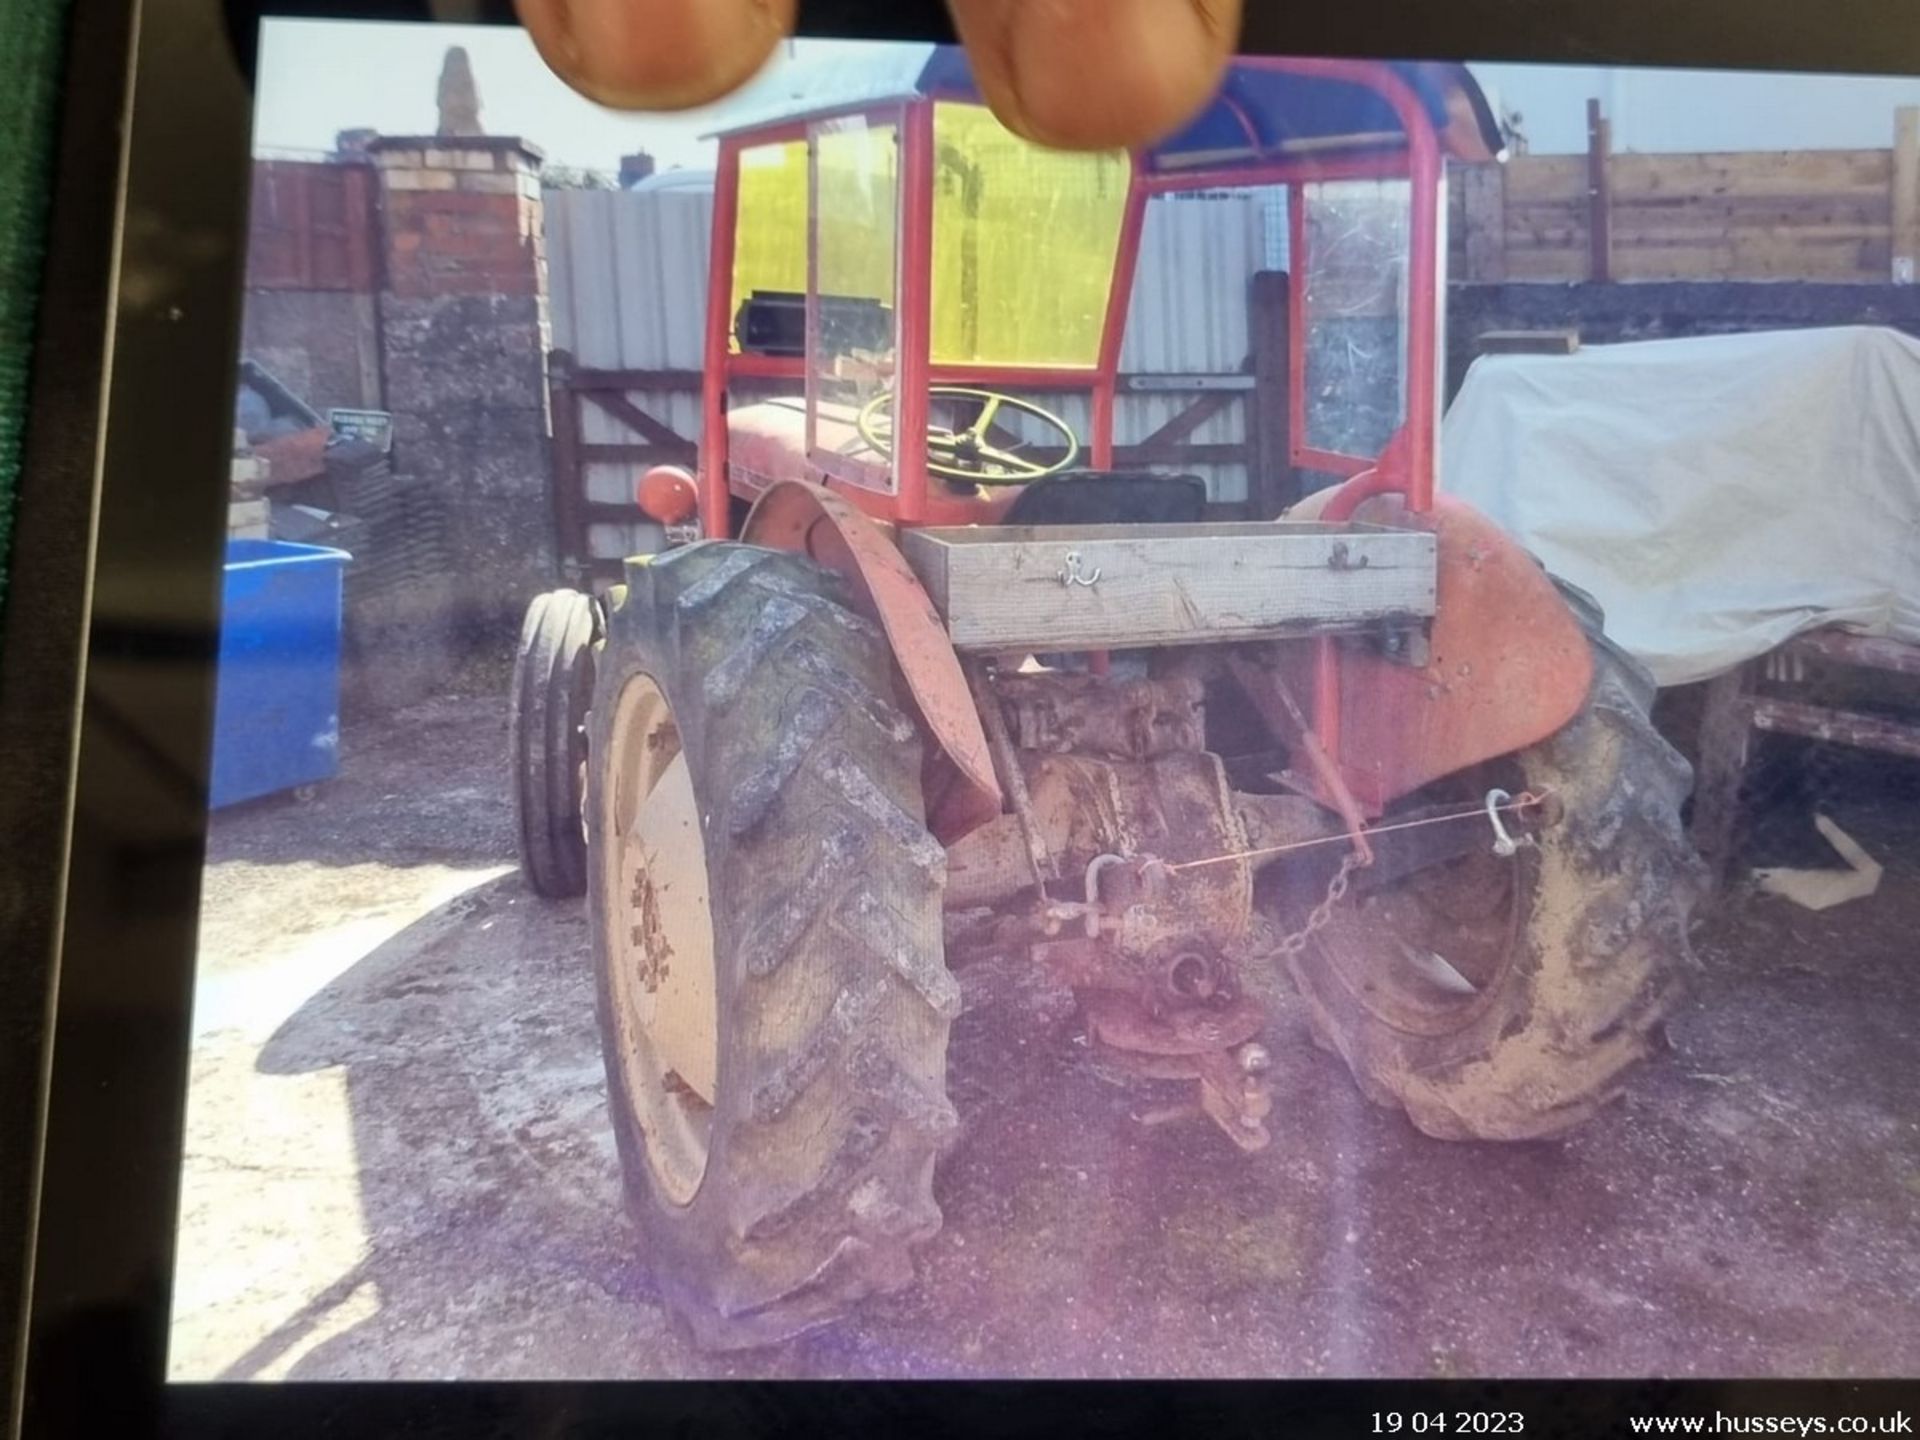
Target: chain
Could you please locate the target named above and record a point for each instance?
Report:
(1322, 913)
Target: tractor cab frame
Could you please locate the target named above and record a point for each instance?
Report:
(820, 390)
(1288, 123)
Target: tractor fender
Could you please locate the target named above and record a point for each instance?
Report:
(1508, 663)
(961, 788)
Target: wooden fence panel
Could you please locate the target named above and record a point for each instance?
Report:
(1829, 215)
(1789, 174)
(311, 227)
(1904, 239)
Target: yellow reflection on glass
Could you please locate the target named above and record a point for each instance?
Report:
(1024, 240)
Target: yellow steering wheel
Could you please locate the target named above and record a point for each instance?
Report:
(966, 454)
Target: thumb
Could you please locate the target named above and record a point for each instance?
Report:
(656, 54)
(1097, 74)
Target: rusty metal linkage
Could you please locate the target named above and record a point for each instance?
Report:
(1266, 689)
(1109, 780)
(1012, 779)
(1210, 1045)
(1095, 715)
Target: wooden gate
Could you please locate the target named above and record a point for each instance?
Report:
(594, 530)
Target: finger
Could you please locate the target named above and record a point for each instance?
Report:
(656, 54)
(1095, 74)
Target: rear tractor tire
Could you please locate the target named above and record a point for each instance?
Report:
(547, 740)
(766, 912)
(1506, 999)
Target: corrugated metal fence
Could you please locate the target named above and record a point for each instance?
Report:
(628, 284)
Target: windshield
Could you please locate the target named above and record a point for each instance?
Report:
(851, 320)
(770, 235)
(1355, 300)
(1024, 242)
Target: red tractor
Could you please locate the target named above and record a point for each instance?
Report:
(916, 686)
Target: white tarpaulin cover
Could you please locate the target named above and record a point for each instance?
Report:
(1717, 496)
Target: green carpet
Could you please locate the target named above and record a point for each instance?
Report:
(30, 36)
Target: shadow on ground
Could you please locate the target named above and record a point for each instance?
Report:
(425, 786)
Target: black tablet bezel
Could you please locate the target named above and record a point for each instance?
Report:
(119, 538)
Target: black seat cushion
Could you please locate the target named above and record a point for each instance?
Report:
(1110, 497)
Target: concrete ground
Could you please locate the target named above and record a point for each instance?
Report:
(399, 1164)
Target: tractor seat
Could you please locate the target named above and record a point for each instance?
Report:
(1110, 497)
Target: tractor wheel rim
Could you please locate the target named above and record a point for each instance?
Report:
(660, 945)
(1468, 915)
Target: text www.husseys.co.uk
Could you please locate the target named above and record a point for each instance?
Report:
(1898, 1423)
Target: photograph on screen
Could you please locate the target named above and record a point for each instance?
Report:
(847, 746)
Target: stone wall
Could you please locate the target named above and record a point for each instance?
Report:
(321, 344)
(464, 338)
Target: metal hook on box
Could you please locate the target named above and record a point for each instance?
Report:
(1071, 575)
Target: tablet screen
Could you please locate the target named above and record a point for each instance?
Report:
(848, 746)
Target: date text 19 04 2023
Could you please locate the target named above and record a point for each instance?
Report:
(1445, 1422)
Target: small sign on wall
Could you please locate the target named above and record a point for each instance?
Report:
(375, 427)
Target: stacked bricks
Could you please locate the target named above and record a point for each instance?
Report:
(464, 338)
(463, 216)
(248, 512)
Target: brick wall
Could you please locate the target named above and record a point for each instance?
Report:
(462, 216)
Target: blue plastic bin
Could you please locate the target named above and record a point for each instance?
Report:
(276, 721)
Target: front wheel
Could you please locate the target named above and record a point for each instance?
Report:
(1506, 999)
(547, 740)
(766, 904)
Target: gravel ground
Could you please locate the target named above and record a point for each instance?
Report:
(399, 1163)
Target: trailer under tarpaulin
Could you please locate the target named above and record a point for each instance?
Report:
(1719, 495)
